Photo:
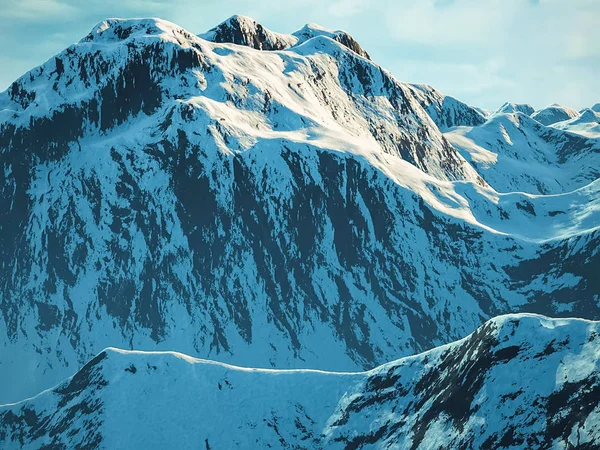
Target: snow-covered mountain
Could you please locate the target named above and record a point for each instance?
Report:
(587, 123)
(508, 108)
(519, 381)
(291, 208)
(554, 113)
(514, 152)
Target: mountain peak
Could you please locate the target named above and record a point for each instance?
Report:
(241, 22)
(554, 113)
(589, 115)
(509, 107)
(239, 18)
(446, 111)
(313, 27)
(243, 30)
(311, 30)
(114, 29)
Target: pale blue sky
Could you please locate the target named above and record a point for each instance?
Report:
(484, 52)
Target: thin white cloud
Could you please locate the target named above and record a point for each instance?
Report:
(530, 38)
(456, 23)
(343, 8)
(36, 10)
(563, 28)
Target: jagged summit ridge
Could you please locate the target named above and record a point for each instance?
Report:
(242, 30)
(153, 51)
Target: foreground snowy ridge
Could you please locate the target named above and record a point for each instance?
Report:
(523, 381)
(281, 208)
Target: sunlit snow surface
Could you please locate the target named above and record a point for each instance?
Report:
(514, 152)
(521, 381)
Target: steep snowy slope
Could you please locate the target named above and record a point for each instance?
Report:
(287, 209)
(514, 152)
(554, 113)
(519, 381)
(447, 112)
(508, 108)
(586, 124)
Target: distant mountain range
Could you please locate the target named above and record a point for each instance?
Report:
(281, 201)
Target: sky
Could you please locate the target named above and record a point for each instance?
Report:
(484, 52)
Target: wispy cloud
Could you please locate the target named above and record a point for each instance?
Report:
(530, 38)
(36, 10)
(344, 8)
(563, 28)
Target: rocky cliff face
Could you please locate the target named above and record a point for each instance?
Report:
(285, 208)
